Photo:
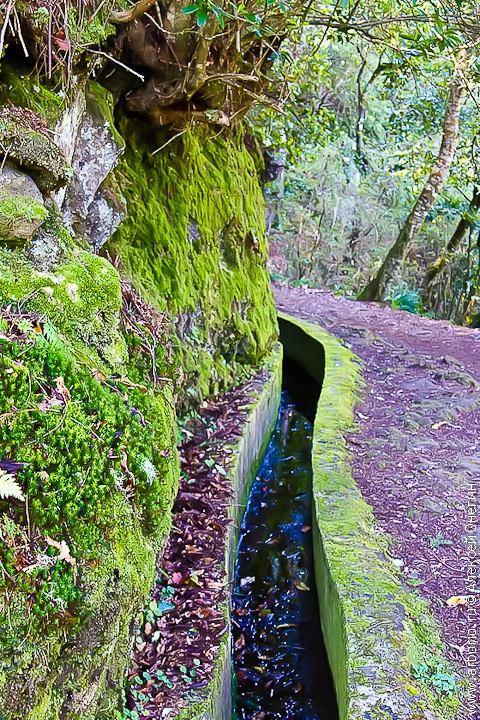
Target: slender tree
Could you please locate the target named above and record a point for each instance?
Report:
(465, 225)
(379, 285)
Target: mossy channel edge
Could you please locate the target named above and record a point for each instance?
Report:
(374, 629)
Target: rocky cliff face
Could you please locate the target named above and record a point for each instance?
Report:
(132, 283)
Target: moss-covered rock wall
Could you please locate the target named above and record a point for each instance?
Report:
(194, 242)
(95, 357)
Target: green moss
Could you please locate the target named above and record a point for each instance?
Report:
(34, 151)
(24, 207)
(20, 86)
(15, 208)
(194, 242)
(99, 104)
(100, 473)
(92, 31)
(375, 632)
(82, 297)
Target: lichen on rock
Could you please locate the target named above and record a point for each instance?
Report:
(93, 205)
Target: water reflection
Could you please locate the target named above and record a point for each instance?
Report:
(280, 662)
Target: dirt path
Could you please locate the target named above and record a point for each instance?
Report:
(416, 454)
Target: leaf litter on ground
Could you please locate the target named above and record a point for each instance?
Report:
(182, 627)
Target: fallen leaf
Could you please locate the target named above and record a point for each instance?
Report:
(300, 585)
(61, 42)
(126, 469)
(456, 600)
(62, 389)
(125, 381)
(240, 642)
(64, 550)
(50, 404)
(287, 625)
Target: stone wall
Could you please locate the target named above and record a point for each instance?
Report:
(95, 356)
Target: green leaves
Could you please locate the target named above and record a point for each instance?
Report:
(202, 16)
(190, 9)
(201, 10)
(238, 13)
(443, 682)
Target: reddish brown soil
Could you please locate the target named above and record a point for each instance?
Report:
(415, 451)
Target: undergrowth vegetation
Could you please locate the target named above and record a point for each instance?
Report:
(92, 451)
(79, 435)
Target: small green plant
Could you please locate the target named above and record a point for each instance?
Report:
(130, 715)
(408, 300)
(421, 672)
(443, 682)
(167, 592)
(163, 678)
(156, 609)
(438, 540)
(189, 676)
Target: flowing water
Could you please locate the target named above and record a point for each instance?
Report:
(280, 662)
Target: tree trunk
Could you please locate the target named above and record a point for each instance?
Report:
(465, 224)
(361, 113)
(379, 286)
(361, 158)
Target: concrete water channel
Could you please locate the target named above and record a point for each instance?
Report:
(367, 619)
(280, 662)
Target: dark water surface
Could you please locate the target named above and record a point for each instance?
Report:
(281, 668)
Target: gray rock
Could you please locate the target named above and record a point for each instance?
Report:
(97, 148)
(22, 210)
(45, 251)
(105, 214)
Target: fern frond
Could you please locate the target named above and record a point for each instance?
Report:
(25, 326)
(52, 336)
(9, 487)
(55, 342)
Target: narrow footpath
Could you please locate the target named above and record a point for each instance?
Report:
(416, 448)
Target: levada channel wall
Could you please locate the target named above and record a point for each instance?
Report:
(373, 629)
(248, 453)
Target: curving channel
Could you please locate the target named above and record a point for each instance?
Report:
(281, 667)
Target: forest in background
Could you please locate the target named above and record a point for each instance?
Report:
(358, 107)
